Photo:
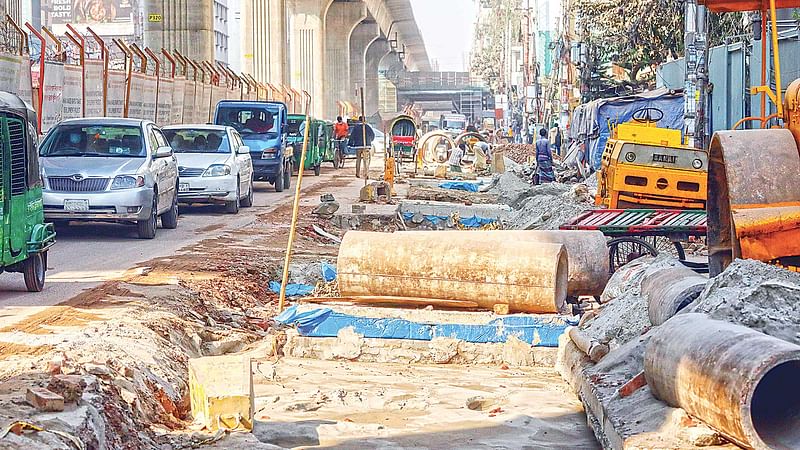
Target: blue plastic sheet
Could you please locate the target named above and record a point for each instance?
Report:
(537, 330)
(460, 186)
(292, 290)
(469, 222)
(328, 272)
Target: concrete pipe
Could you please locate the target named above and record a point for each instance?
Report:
(741, 382)
(587, 251)
(526, 276)
(670, 290)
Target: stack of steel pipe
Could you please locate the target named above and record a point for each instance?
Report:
(669, 290)
(738, 381)
(487, 269)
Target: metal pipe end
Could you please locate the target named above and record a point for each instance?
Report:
(774, 408)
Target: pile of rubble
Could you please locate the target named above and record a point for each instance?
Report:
(519, 153)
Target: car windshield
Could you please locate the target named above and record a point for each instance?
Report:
(454, 124)
(296, 127)
(94, 140)
(198, 140)
(248, 120)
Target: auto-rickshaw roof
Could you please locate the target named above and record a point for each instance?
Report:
(746, 5)
(12, 103)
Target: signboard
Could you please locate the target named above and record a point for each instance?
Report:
(164, 107)
(106, 17)
(155, 18)
(178, 94)
(189, 97)
(115, 106)
(136, 102)
(148, 94)
(93, 88)
(9, 71)
(52, 95)
(73, 92)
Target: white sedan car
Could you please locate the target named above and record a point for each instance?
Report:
(214, 165)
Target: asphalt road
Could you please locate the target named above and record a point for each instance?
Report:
(86, 255)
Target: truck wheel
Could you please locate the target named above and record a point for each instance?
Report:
(232, 207)
(147, 228)
(287, 177)
(169, 219)
(34, 270)
(248, 200)
(279, 179)
(317, 169)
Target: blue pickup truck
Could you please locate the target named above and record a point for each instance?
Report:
(263, 127)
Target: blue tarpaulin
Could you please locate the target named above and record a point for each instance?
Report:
(328, 272)
(460, 186)
(537, 330)
(469, 222)
(292, 290)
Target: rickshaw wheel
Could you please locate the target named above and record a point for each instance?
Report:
(34, 272)
(623, 250)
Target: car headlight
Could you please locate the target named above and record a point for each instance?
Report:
(127, 182)
(697, 164)
(217, 170)
(630, 157)
(271, 153)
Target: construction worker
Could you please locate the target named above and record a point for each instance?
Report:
(340, 135)
(363, 153)
(455, 158)
(555, 138)
(544, 160)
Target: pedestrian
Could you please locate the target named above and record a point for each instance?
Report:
(363, 154)
(340, 132)
(455, 158)
(531, 132)
(544, 160)
(555, 138)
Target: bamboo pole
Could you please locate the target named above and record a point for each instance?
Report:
(295, 210)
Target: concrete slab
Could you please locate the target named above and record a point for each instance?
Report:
(221, 392)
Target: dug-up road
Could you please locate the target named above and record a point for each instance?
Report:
(87, 255)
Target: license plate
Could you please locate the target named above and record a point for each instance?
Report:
(670, 159)
(183, 187)
(76, 205)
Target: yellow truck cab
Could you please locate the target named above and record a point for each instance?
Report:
(646, 166)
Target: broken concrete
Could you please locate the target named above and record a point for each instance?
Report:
(221, 392)
(44, 400)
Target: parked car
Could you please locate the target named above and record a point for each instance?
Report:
(111, 170)
(214, 165)
(263, 127)
(379, 143)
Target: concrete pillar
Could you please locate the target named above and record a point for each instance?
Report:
(265, 40)
(363, 35)
(187, 26)
(307, 49)
(341, 19)
(373, 54)
(390, 69)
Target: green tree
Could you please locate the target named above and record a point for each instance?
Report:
(491, 40)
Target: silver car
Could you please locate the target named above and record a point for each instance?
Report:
(113, 170)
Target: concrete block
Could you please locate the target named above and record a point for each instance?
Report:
(44, 400)
(221, 392)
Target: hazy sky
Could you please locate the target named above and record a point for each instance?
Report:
(447, 27)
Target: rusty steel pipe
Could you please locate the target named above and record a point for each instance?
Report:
(526, 276)
(670, 290)
(587, 252)
(738, 381)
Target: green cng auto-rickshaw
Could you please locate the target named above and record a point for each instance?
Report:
(297, 124)
(325, 142)
(24, 237)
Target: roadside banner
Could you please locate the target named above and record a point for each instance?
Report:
(189, 97)
(73, 92)
(149, 94)
(10, 66)
(204, 105)
(178, 94)
(53, 95)
(25, 90)
(115, 102)
(136, 102)
(93, 88)
(164, 107)
(218, 94)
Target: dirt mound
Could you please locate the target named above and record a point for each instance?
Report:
(549, 206)
(518, 153)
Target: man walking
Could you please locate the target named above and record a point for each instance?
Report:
(555, 138)
(544, 160)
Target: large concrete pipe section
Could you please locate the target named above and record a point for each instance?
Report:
(488, 270)
(740, 382)
(670, 290)
(587, 251)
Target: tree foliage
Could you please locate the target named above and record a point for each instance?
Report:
(635, 34)
(492, 37)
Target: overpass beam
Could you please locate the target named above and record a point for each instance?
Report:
(363, 35)
(341, 19)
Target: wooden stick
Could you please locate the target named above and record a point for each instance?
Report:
(394, 300)
(295, 211)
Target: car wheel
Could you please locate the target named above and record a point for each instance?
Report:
(33, 270)
(287, 177)
(279, 179)
(147, 228)
(169, 219)
(248, 200)
(317, 169)
(232, 207)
